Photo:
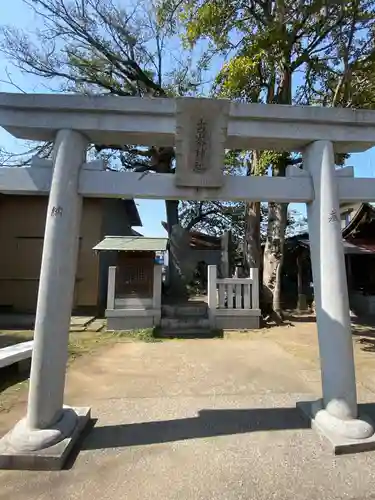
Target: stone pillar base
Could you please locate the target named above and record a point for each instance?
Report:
(345, 436)
(43, 449)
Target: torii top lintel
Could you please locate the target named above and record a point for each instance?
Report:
(112, 120)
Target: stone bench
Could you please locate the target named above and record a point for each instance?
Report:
(16, 353)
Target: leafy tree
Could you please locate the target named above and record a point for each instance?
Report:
(282, 52)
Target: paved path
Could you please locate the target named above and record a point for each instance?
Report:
(200, 419)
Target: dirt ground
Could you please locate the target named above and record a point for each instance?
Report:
(83, 342)
(200, 419)
(298, 337)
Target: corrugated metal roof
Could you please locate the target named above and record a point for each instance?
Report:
(132, 243)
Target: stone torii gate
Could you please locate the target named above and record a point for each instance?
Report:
(200, 130)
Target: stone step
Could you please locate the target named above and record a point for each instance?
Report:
(187, 333)
(185, 327)
(169, 311)
(182, 323)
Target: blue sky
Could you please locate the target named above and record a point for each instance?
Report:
(152, 212)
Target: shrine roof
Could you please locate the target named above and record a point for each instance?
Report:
(361, 227)
(132, 243)
(350, 248)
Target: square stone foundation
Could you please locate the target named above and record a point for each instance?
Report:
(237, 322)
(130, 323)
(132, 319)
(52, 458)
(340, 444)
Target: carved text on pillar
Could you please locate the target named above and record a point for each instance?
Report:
(57, 211)
(201, 146)
(333, 217)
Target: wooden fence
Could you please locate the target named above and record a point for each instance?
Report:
(233, 302)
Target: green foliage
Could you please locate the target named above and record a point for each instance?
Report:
(266, 44)
(213, 22)
(330, 44)
(142, 335)
(239, 78)
(268, 159)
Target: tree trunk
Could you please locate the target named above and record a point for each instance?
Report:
(252, 247)
(273, 258)
(274, 249)
(224, 267)
(302, 302)
(252, 236)
(171, 208)
(176, 287)
(277, 213)
(161, 162)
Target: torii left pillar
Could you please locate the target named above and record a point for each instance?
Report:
(43, 439)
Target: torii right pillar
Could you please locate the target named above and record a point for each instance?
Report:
(336, 414)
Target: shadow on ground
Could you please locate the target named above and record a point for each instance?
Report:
(159, 334)
(13, 374)
(364, 329)
(17, 321)
(208, 423)
(367, 344)
(290, 317)
(12, 339)
(301, 318)
(16, 372)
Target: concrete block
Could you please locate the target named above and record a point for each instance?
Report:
(130, 323)
(96, 325)
(342, 445)
(185, 322)
(187, 333)
(16, 353)
(181, 311)
(80, 321)
(131, 313)
(237, 322)
(52, 458)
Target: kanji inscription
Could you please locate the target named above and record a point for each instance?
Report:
(333, 217)
(201, 132)
(56, 211)
(201, 146)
